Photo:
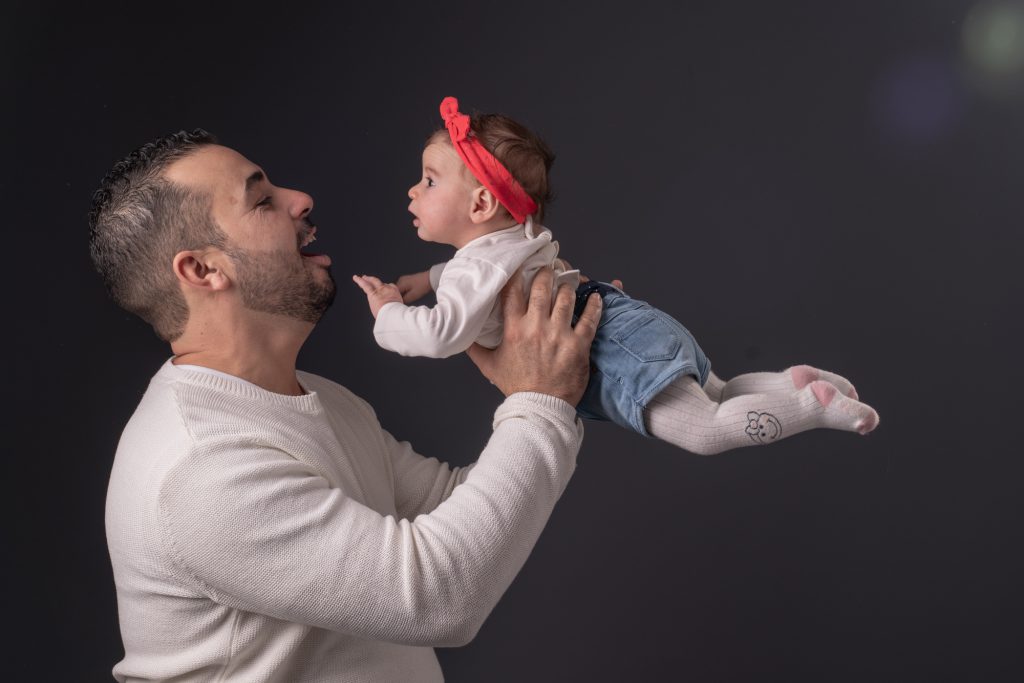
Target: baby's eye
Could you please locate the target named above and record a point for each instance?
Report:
(430, 182)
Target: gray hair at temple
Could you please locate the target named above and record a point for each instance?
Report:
(139, 220)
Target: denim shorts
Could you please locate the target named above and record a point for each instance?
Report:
(637, 352)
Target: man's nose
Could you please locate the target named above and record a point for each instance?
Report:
(300, 204)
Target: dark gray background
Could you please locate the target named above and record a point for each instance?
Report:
(798, 182)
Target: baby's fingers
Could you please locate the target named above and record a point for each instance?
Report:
(363, 284)
(375, 282)
(367, 283)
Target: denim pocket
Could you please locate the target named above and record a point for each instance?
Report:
(648, 338)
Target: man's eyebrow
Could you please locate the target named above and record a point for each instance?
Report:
(256, 177)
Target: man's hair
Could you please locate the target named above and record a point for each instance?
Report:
(139, 220)
(526, 156)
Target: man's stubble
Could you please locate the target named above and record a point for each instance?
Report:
(273, 283)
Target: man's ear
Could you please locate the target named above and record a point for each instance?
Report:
(202, 269)
(484, 206)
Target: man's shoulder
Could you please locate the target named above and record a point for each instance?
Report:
(158, 405)
(333, 395)
(153, 441)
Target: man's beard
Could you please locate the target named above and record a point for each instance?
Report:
(272, 283)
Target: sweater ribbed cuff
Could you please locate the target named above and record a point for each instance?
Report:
(552, 405)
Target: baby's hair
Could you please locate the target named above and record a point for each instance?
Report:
(526, 156)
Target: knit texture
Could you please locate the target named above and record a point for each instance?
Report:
(796, 377)
(262, 537)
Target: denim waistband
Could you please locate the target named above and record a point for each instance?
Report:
(584, 290)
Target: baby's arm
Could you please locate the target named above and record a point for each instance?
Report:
(466, 294)
(414, 287)
(377, 293)
(417, 285)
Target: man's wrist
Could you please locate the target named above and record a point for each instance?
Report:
(550, 410)
(547, 401)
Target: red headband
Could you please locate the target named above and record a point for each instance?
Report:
(482, 164)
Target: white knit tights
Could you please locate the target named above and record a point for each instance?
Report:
(752, 409)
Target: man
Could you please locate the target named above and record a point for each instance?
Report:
(262, 526)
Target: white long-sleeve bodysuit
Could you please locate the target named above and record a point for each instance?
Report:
(468, 307)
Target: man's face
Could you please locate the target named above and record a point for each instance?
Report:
(442, 199)
(266, 227)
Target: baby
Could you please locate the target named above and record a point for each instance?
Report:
(483, 190)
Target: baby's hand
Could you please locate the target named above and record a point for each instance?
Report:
(414, 287)
(377, 293)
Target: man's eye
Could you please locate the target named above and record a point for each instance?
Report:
(264, 202)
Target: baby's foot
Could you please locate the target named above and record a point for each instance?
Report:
(803, 375)
(843, 412)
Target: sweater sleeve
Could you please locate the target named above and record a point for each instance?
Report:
(421, 483)
(466, 294)
(257, 530)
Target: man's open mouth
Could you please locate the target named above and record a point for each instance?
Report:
(306, 238)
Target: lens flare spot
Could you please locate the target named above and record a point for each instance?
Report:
(993, 45)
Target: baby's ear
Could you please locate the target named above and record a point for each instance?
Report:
(484, 206)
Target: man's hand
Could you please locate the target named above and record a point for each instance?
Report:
(414, 287)
(540, 351)
(377, 292)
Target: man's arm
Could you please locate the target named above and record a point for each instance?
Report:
(421, 483)
(256, 530)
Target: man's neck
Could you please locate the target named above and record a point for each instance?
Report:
(259, 353)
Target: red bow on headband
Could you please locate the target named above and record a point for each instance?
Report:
(483, 165)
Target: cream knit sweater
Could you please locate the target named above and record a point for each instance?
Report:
(262, 537)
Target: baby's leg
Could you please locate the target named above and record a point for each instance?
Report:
(684, 415)
(796, 377)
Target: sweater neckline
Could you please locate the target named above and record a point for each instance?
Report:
(221, 382)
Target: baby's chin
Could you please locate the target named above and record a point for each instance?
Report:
(427, 237)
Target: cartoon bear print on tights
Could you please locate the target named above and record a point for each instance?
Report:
(763, 427)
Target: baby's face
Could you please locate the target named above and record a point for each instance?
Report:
(443, 198)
